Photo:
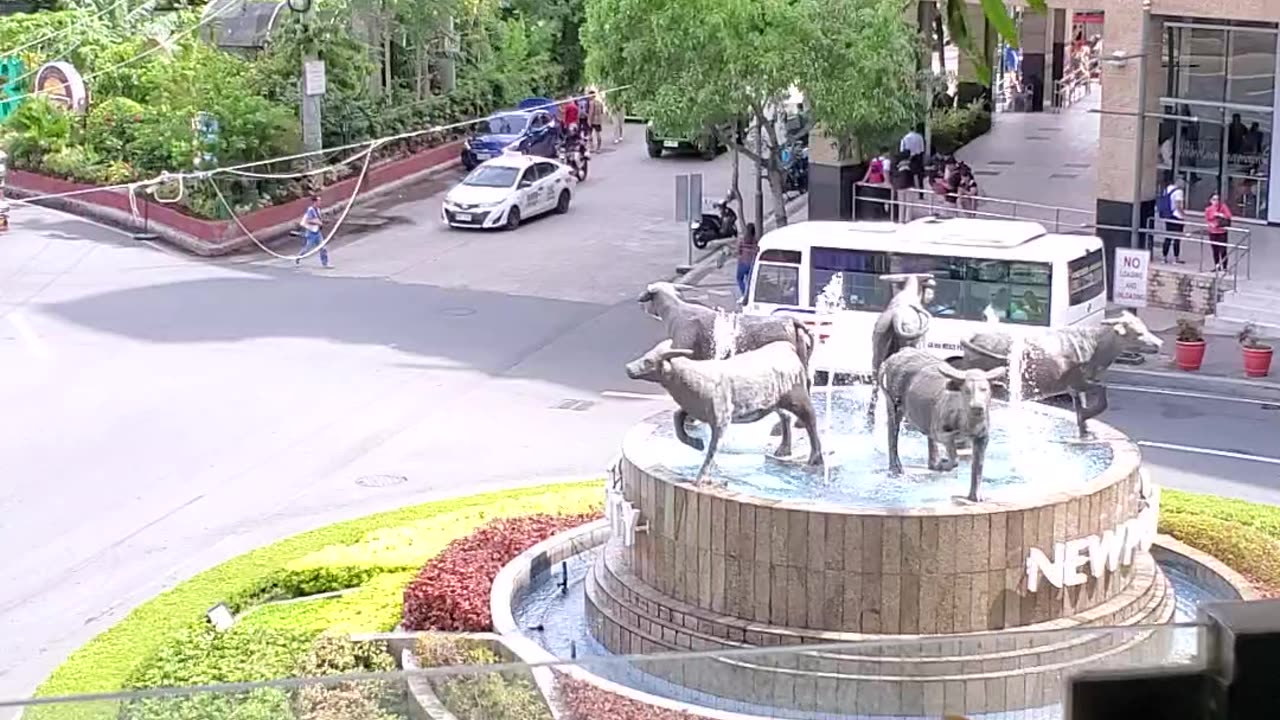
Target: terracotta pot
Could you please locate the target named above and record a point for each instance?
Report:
(1257, 361)
(1189, 354)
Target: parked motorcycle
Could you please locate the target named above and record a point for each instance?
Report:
(795, 169)
(717, 225)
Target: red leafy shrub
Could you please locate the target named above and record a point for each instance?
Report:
(451, 592)
(584, 701)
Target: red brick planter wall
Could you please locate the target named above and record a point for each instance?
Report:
(221, 237)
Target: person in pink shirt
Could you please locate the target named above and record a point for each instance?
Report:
(1218, 217)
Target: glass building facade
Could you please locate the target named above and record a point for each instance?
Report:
(1218, 104)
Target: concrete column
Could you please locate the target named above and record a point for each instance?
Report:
(1060, 22)
(1033, 39)
(1118, 122)
(971, 86)
(831, 179)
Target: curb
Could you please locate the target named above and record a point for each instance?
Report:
(1242, 388)
(719, 254)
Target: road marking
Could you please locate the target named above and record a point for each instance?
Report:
(623, 394)
(35, 345)
(1210, 451)
(1186, 394)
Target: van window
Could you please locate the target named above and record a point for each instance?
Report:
(791, 257)
(1018, 292)
(1087, 278)
(777, 284)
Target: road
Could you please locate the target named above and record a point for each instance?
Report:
(164, 413)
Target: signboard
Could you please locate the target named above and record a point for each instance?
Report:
(314, 81)
(1075, 561)
(688, 197)
(1130, 281)
(62, 84)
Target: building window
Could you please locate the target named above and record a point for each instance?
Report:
(1218, 114)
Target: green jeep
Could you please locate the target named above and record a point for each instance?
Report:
(707, 143)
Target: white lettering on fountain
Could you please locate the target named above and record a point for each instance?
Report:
(1099, 553)
(623, 517)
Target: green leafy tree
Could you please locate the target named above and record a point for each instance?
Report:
(704, 63)
(997, 14)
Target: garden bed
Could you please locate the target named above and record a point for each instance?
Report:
(222, 237)
(368, 562)
(432, 565)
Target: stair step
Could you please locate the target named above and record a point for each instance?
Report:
(1251, 299)
(1230, 324)
(1261, 316)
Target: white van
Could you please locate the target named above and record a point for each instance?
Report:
(1011, 271)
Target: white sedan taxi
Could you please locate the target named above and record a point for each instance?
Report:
(501, 192)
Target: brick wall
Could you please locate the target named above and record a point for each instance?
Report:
(1188, 292)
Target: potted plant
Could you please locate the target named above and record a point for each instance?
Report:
(1257, 354)
(1189, 351)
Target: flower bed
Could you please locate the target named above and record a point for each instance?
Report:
(452, 591)
(1244, 535)
(583, 701)
(167, 641)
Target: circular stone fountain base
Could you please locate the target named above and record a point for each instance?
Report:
(724, 565)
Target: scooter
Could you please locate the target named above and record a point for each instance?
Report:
(723, 223)
(795, 170)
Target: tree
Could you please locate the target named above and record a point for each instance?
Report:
(953, 15)
(705, 63)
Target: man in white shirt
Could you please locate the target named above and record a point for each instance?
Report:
(913, 145)
(1174, 215)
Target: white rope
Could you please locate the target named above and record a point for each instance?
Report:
(364, 171)
(301, 173)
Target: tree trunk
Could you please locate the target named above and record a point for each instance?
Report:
(735, 191)
(388, 22)
(775, 189)
(940, 40)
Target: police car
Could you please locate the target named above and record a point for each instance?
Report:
(502, 192)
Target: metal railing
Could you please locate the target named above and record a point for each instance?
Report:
(921, 203)
(1070, 89)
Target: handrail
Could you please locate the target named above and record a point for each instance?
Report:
(1239, 242)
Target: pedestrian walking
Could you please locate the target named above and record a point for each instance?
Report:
(748, 248)
(311, 226)
(1171, 206)
(1218, 216)
(913, 144)
(595, 120)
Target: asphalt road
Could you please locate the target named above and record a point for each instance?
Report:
(163, 414)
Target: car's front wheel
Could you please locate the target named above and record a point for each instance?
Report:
(655, 149)
(562, 203)
(513, 218)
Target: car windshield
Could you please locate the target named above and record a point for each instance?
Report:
(512, 124)
(492, 176)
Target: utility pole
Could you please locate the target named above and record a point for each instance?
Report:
(1140, 133)
(312, 86)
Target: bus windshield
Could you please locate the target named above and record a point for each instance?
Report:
(966, 288)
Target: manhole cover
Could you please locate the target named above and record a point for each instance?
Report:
(381, 481)
(458, 311)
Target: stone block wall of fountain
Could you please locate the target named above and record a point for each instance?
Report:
(717, 567)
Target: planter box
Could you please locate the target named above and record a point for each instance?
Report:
(211, 238)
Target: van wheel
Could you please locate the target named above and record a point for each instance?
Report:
(513, 218)
(655, 150)
(562, 202)
(709, 153)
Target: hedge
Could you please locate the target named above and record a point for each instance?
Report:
(1243, 535)
(377, 554)
(953, 128)
(481, 696)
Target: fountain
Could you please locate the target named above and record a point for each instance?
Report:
(1012, 590)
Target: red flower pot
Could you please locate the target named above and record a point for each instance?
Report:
(1189, 354)
(1257, 361)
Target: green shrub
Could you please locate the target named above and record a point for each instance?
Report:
(39, 128)
(1246, 549)
(953, 128)
(354, 700)
(374, 607)
(512, 696)
(1265, 518)
(111, 126)
(72, 162)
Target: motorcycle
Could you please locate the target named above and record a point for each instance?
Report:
(717, 225)
(795, 169)
(573, 152)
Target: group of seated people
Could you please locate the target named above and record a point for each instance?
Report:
(947, 177)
